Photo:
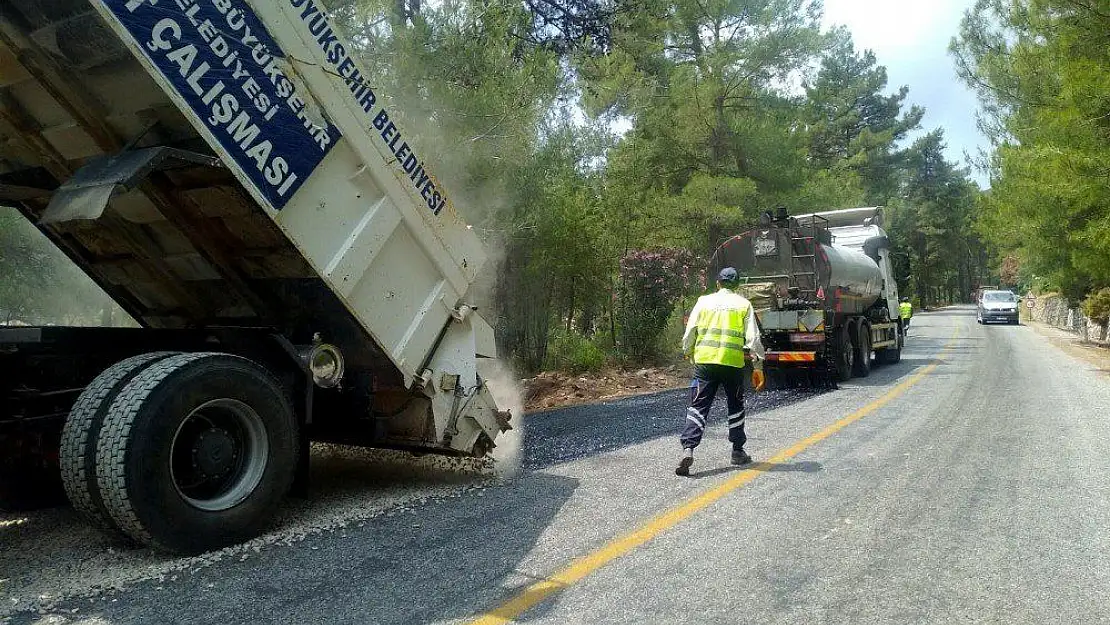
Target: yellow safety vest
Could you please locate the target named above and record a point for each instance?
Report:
(906, 309)
(720, 334)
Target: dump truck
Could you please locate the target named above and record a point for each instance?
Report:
(824, 292)
(227, 173)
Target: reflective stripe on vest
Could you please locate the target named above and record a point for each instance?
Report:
(721, 337)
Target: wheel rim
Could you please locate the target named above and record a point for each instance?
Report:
(219, 455)
(849, 353)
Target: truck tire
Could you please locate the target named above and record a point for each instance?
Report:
(77, 453)
(197, 452)
(862, 365)
(890, 355)
(844, 353)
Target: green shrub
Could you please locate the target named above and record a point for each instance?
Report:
(573, 353)
(669, 347)
(1097, 306)
(651, 283)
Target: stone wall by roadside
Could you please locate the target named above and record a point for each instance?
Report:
(1056, 310)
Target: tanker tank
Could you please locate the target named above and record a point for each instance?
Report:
(790, 254)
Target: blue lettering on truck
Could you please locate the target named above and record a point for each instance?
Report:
(223, 62)
(337, 55)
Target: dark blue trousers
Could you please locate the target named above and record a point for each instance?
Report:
(703, 390)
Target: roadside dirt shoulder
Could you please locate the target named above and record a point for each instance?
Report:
(554, 389)
(1073, 345)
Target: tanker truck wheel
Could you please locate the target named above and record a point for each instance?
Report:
(862, 365)
(844, 353)
(77, 454)
(197, 452)
(890, 355)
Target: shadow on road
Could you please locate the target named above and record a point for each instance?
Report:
(941, 351)
(559, 436)
(968, 311)
(443, 560)
(428, 559)
(920, 362)
(926, 343)
(566, 434)
(886, 375)
(762, 467)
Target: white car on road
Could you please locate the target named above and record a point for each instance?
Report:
(998, 306)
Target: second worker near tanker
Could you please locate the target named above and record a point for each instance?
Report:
(721, 330)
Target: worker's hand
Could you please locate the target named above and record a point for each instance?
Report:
(758, 379)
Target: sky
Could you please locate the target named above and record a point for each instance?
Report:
(910, 37)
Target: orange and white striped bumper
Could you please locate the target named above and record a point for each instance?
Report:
(791, 356)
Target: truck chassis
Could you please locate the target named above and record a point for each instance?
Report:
(835, 349)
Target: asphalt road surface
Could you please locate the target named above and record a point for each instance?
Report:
(968, 484)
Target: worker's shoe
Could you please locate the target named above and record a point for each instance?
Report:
(685, 464)
(740, 457)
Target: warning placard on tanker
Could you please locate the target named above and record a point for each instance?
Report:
(224, 64)
(765, 245)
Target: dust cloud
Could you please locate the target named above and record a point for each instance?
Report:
(479, 200)
(505, 387)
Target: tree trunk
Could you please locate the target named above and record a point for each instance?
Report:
(717, 137)
(570, 307)
(612, 312)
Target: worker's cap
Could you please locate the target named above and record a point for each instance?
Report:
(728, 275)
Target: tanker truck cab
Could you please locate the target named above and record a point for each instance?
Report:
(824, 293)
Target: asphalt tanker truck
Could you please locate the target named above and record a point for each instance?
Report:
(228, 174)
(824, 293)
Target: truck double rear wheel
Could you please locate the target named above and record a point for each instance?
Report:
(890, 355)
(197, 452)
(862, 365)
(77, 454)
(845, 353)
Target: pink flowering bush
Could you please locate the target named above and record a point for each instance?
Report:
(651, 283)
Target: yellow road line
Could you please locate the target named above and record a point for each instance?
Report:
(580, 568)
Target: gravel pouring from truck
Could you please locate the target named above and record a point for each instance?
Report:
(824, 291)
(229, 175)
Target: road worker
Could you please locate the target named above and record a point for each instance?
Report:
(905, 310)
(722, 329)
